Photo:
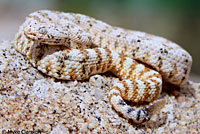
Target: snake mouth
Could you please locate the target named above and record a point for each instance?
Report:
(30, 35)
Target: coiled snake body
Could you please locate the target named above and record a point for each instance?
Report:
(72, 46)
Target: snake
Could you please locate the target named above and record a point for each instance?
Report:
(73, 46)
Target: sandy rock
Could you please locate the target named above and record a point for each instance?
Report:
(30, 100)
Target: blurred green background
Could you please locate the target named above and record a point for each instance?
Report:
(177, 20)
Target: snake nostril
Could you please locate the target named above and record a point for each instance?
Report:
(29, 30)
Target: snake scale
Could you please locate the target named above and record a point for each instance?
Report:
(71, 46)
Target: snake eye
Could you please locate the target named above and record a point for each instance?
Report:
(42, 30)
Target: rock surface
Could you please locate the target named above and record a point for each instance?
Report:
(30, 100)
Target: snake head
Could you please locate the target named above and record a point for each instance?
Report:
(51, 33)
(48, 33)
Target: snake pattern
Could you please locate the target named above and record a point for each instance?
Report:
(71, 46)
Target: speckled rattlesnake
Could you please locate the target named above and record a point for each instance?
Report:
(72, 46)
